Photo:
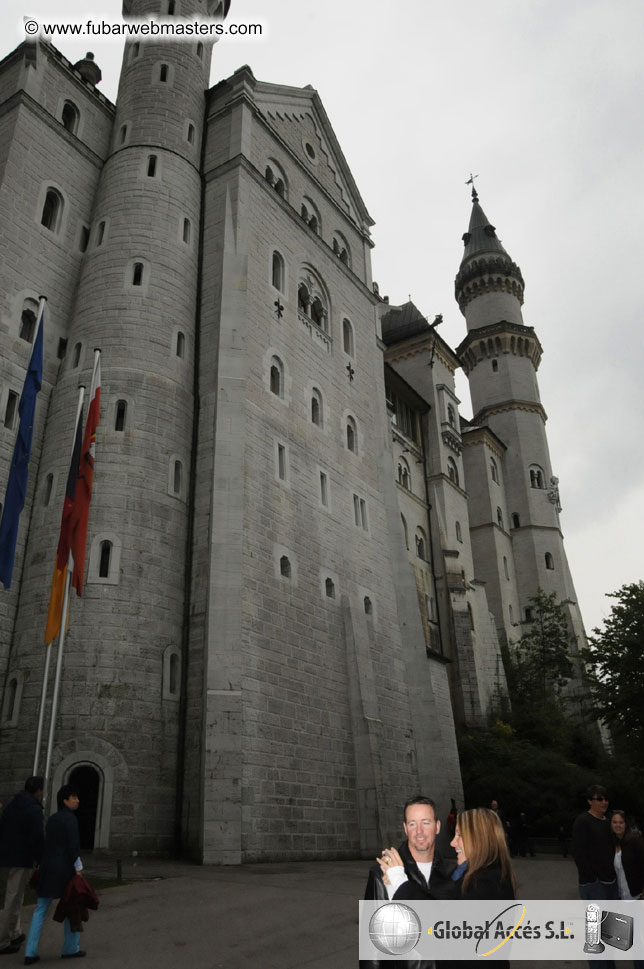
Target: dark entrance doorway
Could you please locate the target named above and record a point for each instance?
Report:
(87, 781)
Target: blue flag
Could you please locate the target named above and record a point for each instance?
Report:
(17, 484)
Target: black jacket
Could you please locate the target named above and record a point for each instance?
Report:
(21, 832)
(486, 883)
(440, 886)
(62, 848)
(633, 864)
(593, 849)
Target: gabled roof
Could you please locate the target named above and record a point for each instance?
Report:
(284, 108)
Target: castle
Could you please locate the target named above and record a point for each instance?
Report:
(302, 563)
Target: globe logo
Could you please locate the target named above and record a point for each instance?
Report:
(394, 929)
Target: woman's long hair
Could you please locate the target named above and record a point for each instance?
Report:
(484, 844)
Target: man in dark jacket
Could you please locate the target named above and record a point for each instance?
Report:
(21, 844)
(428, 875)
(60, 860)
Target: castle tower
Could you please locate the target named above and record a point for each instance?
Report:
(136, 300)
(514, 500)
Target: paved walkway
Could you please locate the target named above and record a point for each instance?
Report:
(275, 916)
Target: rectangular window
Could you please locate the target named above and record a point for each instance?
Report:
(360, 512)
(281, 462)
(11, 408)
(324, 489)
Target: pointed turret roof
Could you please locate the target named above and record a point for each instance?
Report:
(481, 235)
(485, 265)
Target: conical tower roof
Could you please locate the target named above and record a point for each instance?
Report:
(481, 234)
(485, 265)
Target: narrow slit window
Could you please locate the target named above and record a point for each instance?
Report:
(181, 345)
(177, 478)
(137, 274)
(152, 166)
(187, 230)
(105, 558)
(121, 414)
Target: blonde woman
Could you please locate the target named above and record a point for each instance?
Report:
(484, 866)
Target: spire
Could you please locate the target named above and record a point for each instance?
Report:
(481, 234)
(485, 266)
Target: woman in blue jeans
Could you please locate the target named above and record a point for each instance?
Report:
(59, 862)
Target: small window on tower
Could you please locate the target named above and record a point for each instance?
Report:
(191, 134)
(152, 166)
(187, 231)
(200, 51)
(163, 73)
(70, 117)
(137, 274)
(181, 344)
(28, 325)
(104, 561)
(121, 413)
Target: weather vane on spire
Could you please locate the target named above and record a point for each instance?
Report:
(470, 181)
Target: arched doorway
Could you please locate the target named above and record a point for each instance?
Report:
(86, 779)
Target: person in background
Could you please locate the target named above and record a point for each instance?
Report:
(629, 861)
(60, 860)
(21, 845)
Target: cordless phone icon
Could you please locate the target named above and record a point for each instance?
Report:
(593, 928)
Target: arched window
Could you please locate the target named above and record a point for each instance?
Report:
(494, 471)
(421, 544)
(100, 233)
(137, 274)
(341, 248)
(347, 337)
(303, 299)
(537, 477)
(122, 134)
(152, 166)
(404, 476)
(511, 614)
(136, 50)
(405, 531)
(171, 8)
(470, 613)
(352, 435)
(28, 321)
(275, 176)
(52, 211)
(368, 606)
(164, 72)
(76, 354)
(506, 570)
(200, 51)
(70, 117)
(459, 533)
(104, 560)
(311, 215)
(318, 313)
(329, 588)
(451, 416)
(180, 345)
(121, 414)
(550, 562)
(499, 517)
(171, 673)
(285, 567)
(49, 484)
(317, 414)
(516, 521)
(190, 134)
(277, 377)
(277, 271)
(452, 470)
(187, 231)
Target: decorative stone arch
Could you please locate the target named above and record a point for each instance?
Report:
(313, 299)
(111, 769)
(95, 553)
(341, 248)
(311, 215)
(276, 177)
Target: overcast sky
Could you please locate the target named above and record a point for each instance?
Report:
(543, 100)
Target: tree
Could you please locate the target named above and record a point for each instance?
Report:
(541, 658)
(616, 665)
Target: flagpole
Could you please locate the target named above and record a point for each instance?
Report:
(61, 633)
(41, 712)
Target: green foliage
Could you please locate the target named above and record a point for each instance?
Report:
(615, 658)
(540, 660)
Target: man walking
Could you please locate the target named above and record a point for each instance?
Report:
(21, 845)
